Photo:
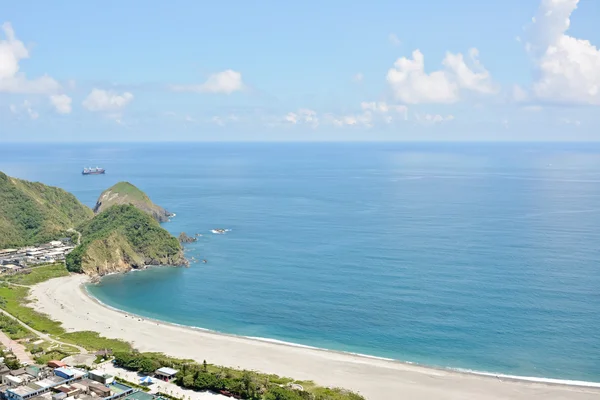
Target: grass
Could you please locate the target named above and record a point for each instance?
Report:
(39, 274)
(127, 189)
(93, 341)
(13, 299)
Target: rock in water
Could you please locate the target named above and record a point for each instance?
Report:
(184, 238)
(126, 193)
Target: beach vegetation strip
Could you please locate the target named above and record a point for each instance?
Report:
(250, 385)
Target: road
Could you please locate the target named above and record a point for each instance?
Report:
(17, 348)
(78, 235)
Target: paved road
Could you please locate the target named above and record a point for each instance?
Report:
(17, 348)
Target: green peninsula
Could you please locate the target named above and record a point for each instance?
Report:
(121, 238)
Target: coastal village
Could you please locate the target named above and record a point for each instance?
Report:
(14, 260)
(58, 380)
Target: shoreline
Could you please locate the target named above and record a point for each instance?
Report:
(507, 377)
(68, 301)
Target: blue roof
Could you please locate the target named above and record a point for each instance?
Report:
(65, 370)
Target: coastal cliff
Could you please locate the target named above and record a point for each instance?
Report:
(126, 193)
(123, 238)
(32, 213)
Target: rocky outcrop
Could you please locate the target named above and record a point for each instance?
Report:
(126, 193)
(184, 238)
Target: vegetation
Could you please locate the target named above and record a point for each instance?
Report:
(249, 385)
(94, 342)
(33, 213)
(12, 328)
(126, 193)
(123, 235)
(38, 274)
(14, 299)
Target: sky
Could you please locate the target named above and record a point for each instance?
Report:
(187, 70)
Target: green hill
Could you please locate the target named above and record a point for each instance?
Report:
(32, 213)
(126, 193)
(121, 238)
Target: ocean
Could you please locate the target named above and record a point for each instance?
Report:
(483, 257)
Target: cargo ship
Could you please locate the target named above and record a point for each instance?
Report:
(93, 171)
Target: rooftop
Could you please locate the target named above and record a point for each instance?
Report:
(167, 371)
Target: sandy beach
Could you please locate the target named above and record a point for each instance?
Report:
(65, 300)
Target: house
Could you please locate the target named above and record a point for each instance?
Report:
(165, 374)
(56, 364)
(34, 371)
(94, 388)
(12, 381)
(101, 376)
(69, 373)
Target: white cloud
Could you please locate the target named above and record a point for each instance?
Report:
(431, 119)
(304, 115)
(226, 82)
(62, 103)
(364, 119)
(24, 108)
(358, 77)
(107, 101)
(412, 85)
(394, 40)
(384, 108)
(12, 51)
(567, 68)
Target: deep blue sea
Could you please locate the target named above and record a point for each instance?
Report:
(476, 256)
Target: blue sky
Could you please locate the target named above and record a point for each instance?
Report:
(292, 71)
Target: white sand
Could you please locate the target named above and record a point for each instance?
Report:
(63, 299)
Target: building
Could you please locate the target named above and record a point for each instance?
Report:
(165, 374)
(56, 364)
(101, 376)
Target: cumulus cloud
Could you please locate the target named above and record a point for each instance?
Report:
(394, 40)
(225, 82)
(12, 51)
(412, 85)
(61, 103)
(107, 101)
(567, 69)
(24, 109)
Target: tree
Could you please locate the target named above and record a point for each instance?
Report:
(188, 381)
(279, 393)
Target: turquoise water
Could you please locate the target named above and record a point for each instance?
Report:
(474, 256)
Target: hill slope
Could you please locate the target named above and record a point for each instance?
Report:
(126, 193)
(31, 212)
(121, 238)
